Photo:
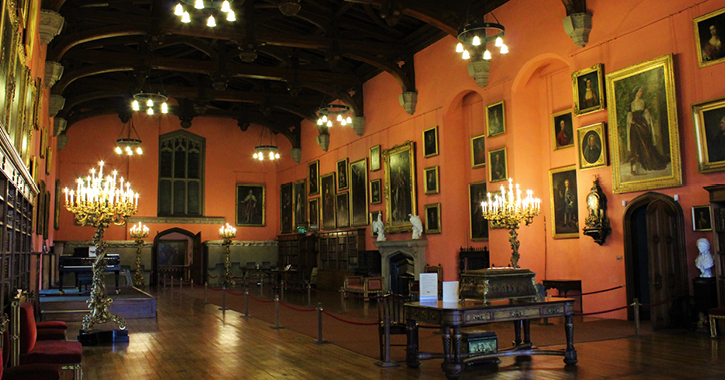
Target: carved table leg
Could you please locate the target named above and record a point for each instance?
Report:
(453, 364)
(517, 332)
(411, 357)
(570, 352)
(527, 333)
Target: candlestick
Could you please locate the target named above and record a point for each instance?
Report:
(227, 233)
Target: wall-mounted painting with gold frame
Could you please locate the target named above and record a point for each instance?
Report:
(592, 146)
(496, 119)
(430, 142)
(299, 192)
(375, 158)
(562, 130)
(400, 187)
(327, 201)
(313, 177)
(710, 134)
(709, 32)
(342, 175)
(478, 151)
(588, 88)
(314, 213)
(359, 192)
(498, 165)
(433, 218)
(251, 203)
(564, 202)
(430, 184)
(643, 129)
(376, 191)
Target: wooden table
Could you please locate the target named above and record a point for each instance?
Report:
(453, 316)
(564, 287)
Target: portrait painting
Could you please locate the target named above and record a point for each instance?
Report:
(7, 65)
(588, 88)
(376, 191)
(478, 151)
(701, 218)
(327, 188)
(431, 180)
(342, 204)
(400, 187)
(314, 209)
(430, 142)
(48, 159)
(643, 130)
(592, 146)
(496, 119)
(359, 192)
(299, 196)
(564, 202)
(433, 218)
(709, 34)
(342, 175)
(710, 132)
(562, 130)
(172, 252)
(313, 177)
(375, 158)
(479, 225)
(497, 169)
(56, 215)
(286, 217)
(250, 205)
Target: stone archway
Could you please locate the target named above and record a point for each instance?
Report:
(196, 263)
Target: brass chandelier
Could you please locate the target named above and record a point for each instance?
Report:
(222, 9)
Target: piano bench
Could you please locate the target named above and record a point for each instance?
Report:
(85, 278)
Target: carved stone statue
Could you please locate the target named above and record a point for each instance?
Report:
(379, 228)
(417, 226)
(704, 260)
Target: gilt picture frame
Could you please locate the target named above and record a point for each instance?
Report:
(433, 218)
(327, 188)
(313, 177)
(478, 151)
(478, 224)
(701, 218)
(376, 191)
(496, 119)
(286, 216)
(588, 88)
(709, 118)
(498, 166)
(562, 130)
(299, 193)
(359, 192)
(643, 128)
(375, 158)
(709, 31)
(430, 142)
(314, 213)
(564, 202)
(431, 176)
(343, 175)
(342, 209)
(400, 187)
(251, 205)
(592, 146)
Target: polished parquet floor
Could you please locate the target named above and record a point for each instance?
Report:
(191, 339)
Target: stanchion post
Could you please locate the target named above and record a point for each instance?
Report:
(319, 326)
(206, 300)
(171, 282)
(246, 304)
(636, 306)
(261, 285)
(192, 285)
(342, 300)
(281, 288)
(224, 298)
(181, 284)
(276, 326)
(309, 294)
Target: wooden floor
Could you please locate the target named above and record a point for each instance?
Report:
(193, 340)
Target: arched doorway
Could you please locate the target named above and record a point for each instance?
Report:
(655, 258)
(190, 269)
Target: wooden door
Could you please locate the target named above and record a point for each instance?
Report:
(664, 260)
(198, 263)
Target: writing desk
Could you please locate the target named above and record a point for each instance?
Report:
(564, 287)
(453, 316)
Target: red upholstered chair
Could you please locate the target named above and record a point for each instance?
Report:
(25, 372)
(46, 333)
(58, 325)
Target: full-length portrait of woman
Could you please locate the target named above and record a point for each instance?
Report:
(641, 137)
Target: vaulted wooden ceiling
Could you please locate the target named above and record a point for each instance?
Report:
(266, 68)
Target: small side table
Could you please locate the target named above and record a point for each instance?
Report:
(565, 286)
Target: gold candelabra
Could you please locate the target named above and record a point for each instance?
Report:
(139, 232)
(508, 210)
(227, 233)
(98, 202)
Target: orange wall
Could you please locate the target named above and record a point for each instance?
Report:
(533, 80)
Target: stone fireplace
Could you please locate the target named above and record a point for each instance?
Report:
(414, 249)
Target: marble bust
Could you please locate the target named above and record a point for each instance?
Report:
(417, 226)
(704, 260)
(379, 228)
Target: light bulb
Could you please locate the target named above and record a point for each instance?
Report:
(476, 41)
(276, 155)
(261, 156)
(118, 150)
(179, 10)
(231, 16)
(271, 155)
(164, 108)
(211, 22)
(504, 49)
(459, 48)
(319, 121)
(324, 118)
(199, 4)
(225, 6)
(466, 55)
(339, 117)
(185, 18)
(149, 103)
(486, 55)
(139, 150)
(349, 120)
(134, 105)
(329, 123)
(343, 122)
(149, 111)
(499, 42)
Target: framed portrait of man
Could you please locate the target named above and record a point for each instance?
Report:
(496, 119)
(342, 206)
(327, 188)
(299, 194)
(375, 158)
(709, 34)
(430, 142)
(701, 218)
(643, 130)
(588, 88)
(359, 192)
(710, 132)
(497, 168)
(562, 131)
(376, 191)
(592, 146)
(431, 180)
(314, 213)
(286, 216)
(250, 205)
(433, 218)
(479, 225)
(478, 151)
(313, 177)
(342, 175)
(400, 187)
(564, 202)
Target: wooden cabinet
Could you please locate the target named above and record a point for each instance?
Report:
(717, 203)
(298, 251)
(338, 256)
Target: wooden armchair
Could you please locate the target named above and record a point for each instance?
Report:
(363, 285)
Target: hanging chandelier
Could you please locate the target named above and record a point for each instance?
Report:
(475, 36)
(128, 141)
(153, 102)
(266, 147)
(222, 10)
(329, 112)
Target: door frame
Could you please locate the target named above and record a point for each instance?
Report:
(645, 200)
(194, 238)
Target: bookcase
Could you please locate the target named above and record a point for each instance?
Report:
(338, 256)
(298, 251)
(717, 203)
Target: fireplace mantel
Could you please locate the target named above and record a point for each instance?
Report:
(413, 248)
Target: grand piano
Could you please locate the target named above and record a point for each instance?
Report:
(81, 263)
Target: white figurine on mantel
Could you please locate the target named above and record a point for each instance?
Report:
(417, 226)
(379, 228)
(704, 259)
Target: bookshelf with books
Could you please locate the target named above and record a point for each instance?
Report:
(717, 203)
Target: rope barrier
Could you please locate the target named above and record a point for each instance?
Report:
(602, 291)
(234, 293)
(350, 321)
(601, 312)
(215, 289)
(323, 291)
(260, 299)
(210, 276)
(285, 304)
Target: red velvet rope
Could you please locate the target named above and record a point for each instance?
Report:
(210, 276)
(260, 299)
(602, 291)
(234, 293)
(350, 321)
(624, 307)
(600, 312)
(215, 289)
(296, 308)
(323, 292)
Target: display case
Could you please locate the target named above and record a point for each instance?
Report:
(717, 203)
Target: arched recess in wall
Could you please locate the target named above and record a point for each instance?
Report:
(196, 266)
